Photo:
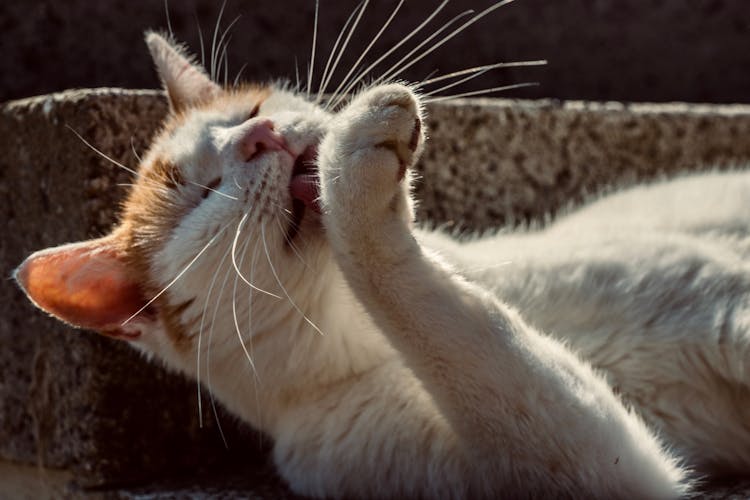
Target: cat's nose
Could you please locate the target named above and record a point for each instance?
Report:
(260, 136)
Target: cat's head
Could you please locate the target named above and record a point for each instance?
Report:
(223, 213)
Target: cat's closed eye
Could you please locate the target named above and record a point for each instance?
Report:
(254, 111)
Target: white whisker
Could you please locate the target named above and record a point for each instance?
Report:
(237, 76)
(397, 68)
(312, 55)
(114, 162)
(132, 147)
(455, 84)
(296, 74)
(476, 69)
(256, 380)
(324, 77)
(200, 39)
(213, 41)
(200, 332)
(179, 275)
(208, 356)
(292, 246)
(278, 280)
(234, 310)
(222, 48)
(234, 258)
(453, 33)
(364, 72)
(367, 49)
(169, 22)
(483, 91)
(229, 196)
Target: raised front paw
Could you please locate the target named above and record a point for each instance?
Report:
(366, 154)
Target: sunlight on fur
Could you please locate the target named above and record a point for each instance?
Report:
(267, 249)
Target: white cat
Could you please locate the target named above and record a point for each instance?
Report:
(387, 361)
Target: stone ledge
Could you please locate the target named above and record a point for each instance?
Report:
(75, 401)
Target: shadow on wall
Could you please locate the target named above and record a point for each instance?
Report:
(627, 50)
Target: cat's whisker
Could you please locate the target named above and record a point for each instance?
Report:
(486, 67)
(132, 147)
(390, 51)
(200, 331)
(292, 245)
(400, 66)
(442, 42)
(256, 380)
(283, 209)
(179, 275)
(222, 48)
(234, 258)
(483, 91)
(296, 75)
(169, 21)
(212, 73)
(312, 55)
(200, 39)
(225, 195)
(488, 267)
(278, 280)
(367, 49)
(208, 356)
(238, 75)
(225, 56)
(455, 84)
(287, 214)
(152, 184)
(234, 310)
(95, 150)
(324, 77)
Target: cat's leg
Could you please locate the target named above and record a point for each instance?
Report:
(516, 398)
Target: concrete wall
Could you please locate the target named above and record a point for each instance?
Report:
(626, 50)
(75, 401)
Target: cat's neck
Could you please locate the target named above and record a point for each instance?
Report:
(323, 338)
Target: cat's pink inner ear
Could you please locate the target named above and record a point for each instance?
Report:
(186, 83)
(85, 284)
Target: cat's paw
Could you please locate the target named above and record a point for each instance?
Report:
(365, 157)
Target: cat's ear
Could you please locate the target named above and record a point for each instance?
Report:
(185, 81)
(87, 285)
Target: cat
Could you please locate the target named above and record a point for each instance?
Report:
(268, 243)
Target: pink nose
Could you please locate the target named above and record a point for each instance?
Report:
(259, 137)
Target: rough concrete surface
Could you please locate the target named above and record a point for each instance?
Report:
(625, 50)
(123, 427)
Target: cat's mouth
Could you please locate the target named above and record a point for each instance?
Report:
(304, 188)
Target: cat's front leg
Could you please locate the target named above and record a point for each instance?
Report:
(518, 400)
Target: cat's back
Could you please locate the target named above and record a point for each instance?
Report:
(706, 203)
(655, 260)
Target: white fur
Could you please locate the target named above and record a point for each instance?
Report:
(390, 362)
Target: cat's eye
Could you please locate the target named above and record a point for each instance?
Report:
(211, 186)
(254, 111)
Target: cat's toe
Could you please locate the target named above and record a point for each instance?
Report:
(365, 158)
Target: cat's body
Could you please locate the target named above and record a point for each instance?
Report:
(387, 361)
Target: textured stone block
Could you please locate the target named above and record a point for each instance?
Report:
(72, 400)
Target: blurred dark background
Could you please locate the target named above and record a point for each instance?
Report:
(628, 50)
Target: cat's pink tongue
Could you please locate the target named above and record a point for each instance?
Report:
(304, 187)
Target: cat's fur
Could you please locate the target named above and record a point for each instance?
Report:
(388, 361)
